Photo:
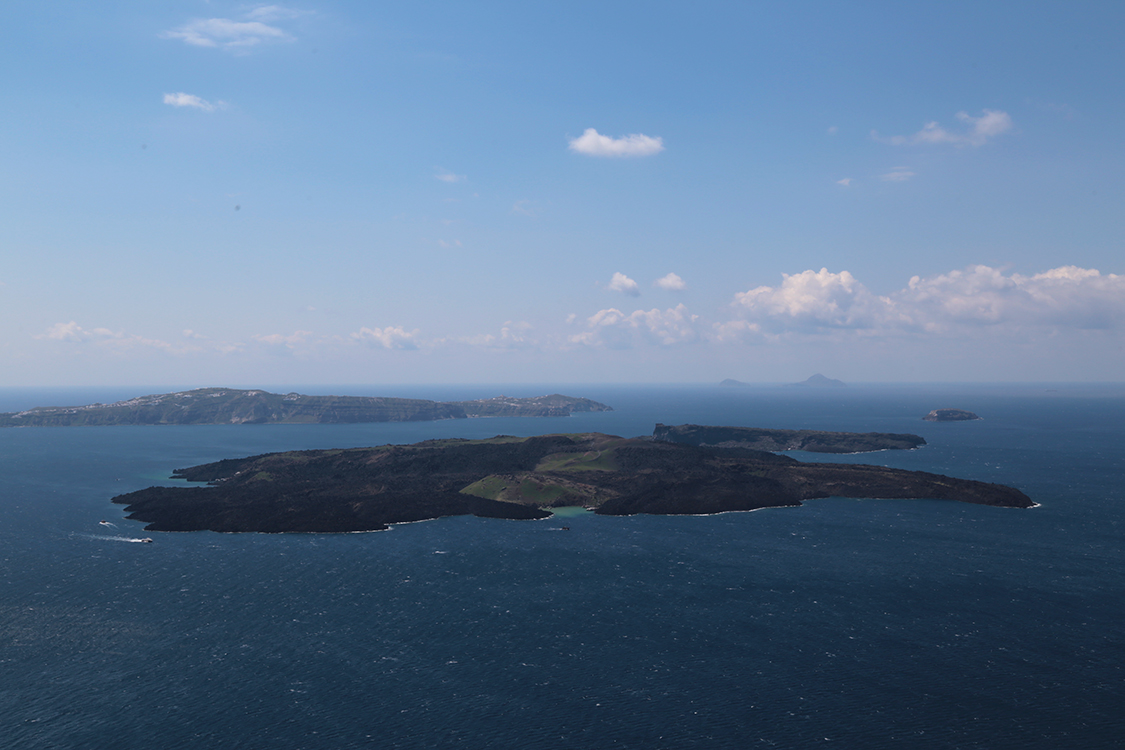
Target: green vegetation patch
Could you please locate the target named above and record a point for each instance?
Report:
(528, 489)
(596, 460)
(490, 487)
(540, 493)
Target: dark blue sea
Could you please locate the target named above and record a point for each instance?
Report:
(842, 623)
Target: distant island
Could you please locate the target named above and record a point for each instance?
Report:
(367, 489)
(813, 441)
(732, 383)
(819, 381)
(950, 415)
(233, 406)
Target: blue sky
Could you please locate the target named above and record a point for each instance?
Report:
(344, 192)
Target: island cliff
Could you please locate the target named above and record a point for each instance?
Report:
(365, 489)
(233, 406)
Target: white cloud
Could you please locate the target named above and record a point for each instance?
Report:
(593, 143)
(293, 341)
(75, 334)
(614, 329)
(449, 177)
(979, 297)
(846, 182)
(897, 174)
(811, 300)
(513, 335)
(191, 100)
(1067, 296)
(990, 124)
(236, 35)
(832, 130)
(735, 329)
(391, 337)
(622, 283)
(671, 282)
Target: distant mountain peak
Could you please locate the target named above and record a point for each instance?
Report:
(819, 381)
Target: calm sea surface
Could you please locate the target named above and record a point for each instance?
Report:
(843, 623)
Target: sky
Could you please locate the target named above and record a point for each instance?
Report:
(222, 193)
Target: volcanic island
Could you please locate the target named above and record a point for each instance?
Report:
(235, 406)
(685, 469)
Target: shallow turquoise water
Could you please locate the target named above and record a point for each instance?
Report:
(844, 622)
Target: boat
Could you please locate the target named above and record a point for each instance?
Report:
(146, 539)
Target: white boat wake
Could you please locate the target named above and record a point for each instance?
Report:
(130, 539)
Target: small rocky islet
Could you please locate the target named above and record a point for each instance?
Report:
(950, 415)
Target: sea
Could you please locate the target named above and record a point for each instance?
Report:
(843, 623)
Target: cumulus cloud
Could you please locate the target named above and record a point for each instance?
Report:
(671, 282)
(593, 143)
(191, 100)
(1067, 296)
(846, 182)
(979, 297)
(813, 299)
(237, 35)
(989, 125)
(622, 283)
(391, 337)
(449, 177)
(615, 329)
(980, 130)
